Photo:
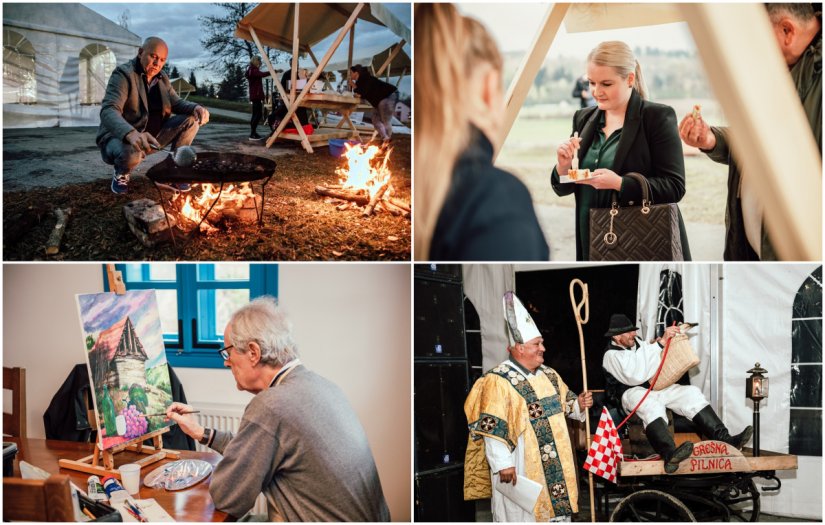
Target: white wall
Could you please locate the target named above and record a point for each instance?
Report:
(352, 324)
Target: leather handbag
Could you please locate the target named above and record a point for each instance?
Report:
(649, 232)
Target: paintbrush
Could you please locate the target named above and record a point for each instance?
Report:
(164, 413)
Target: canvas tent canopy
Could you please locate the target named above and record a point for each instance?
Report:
(182, 87)
(295, 28)
(751, 81)
(57, 59)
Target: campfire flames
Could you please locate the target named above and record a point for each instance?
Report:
(365, 181)
(233, 197)
(360, 172)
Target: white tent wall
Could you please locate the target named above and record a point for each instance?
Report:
(58, 54)
(484, 285)
(757, 312)
(697, 290)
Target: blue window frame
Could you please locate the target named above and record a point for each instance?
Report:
(196, 301)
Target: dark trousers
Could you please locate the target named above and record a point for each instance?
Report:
(257, 114)
(179, 130)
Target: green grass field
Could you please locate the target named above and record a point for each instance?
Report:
(530, 153)
(244, 107)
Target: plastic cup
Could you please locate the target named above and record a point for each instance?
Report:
(130, 477)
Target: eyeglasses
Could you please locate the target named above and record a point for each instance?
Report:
(224, 352)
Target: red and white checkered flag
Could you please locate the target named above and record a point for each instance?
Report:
(606, 450)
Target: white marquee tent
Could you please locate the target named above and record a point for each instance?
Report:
(57, 59)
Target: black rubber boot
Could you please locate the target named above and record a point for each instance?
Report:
(662, 442)
(712, 428)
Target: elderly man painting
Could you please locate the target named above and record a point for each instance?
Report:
(516, 414)
(629, 365)
(299, 442)
(136, 114)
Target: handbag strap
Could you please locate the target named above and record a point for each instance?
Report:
(610, 237)
(645, 184)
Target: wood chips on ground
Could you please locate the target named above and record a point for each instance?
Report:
(298, 223)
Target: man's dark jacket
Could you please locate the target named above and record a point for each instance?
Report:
(125, 105)
(649, 145)
(66, 419)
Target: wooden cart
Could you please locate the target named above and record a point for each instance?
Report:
(715, 484)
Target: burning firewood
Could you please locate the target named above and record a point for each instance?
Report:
(53, 244)
(375, 198)
(359, 198)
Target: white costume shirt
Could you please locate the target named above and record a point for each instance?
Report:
(635, 366)
(499, 457)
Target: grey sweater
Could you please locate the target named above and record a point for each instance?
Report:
(301, 444)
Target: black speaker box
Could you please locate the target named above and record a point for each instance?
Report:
(439, 496)
(444, 272)
(440, 424)
(439, 320)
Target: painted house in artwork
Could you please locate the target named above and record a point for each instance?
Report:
(118, 359)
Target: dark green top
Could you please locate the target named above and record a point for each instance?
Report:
(600, 155)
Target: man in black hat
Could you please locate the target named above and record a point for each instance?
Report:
(629, 364)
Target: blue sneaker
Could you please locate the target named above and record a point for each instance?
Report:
(182, 187)
(120, 183)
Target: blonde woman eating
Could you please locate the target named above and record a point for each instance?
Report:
(623, 133)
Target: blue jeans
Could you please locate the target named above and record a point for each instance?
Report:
(179, 130)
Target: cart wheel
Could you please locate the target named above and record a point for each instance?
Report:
(743, 502)
(651, 505)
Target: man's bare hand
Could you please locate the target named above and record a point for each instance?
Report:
(142, 141)
(187, 422)
(203, 114)
(585, 400)
(507, 475)
(696, 132)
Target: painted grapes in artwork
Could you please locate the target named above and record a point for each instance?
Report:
(127, 364)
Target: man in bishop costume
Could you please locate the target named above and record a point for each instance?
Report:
(516, 414)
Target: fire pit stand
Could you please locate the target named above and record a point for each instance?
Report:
(212, 168)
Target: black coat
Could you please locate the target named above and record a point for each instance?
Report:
(66, 419)
(649, 145)
(488, 213)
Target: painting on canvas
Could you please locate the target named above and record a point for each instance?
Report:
(127, 364)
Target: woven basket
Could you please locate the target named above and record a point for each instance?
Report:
(680, 359)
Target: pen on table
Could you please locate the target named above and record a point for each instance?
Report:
(164, 413)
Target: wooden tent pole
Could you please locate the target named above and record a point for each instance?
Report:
(277, 82)
(391, 57)
(577, 311)
(324, 61)
(520, 86)
(769, 132)
(351, 49)
(295, 51)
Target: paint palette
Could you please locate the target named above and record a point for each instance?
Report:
(178, 475)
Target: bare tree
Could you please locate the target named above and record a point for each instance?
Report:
(221, 42)
(123, 19)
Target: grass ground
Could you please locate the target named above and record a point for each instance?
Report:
(530, 153)
(243, 107)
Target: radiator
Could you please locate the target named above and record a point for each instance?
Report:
(227, 418)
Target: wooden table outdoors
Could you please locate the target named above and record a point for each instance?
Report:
(192, 504)
(343, 104)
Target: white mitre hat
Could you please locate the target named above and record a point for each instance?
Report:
(520, 326)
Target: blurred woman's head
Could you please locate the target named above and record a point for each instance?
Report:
(255, 61)
(457, 85)
(614, 73)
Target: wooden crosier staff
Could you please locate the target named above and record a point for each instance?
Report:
(577, 311)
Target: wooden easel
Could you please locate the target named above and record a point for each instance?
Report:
(155, 452)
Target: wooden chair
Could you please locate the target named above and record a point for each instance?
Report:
(37, 499)
(14, 424)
